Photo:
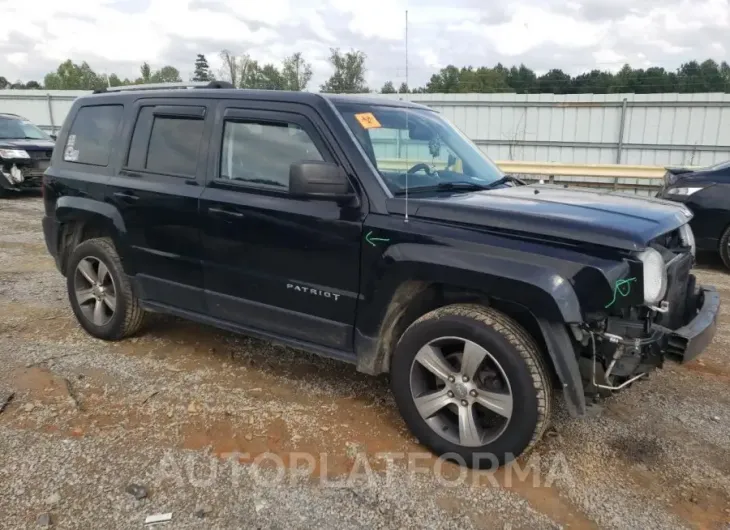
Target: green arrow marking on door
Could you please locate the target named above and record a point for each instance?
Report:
(372, 240)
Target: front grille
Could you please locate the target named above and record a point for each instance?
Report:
(678, 285)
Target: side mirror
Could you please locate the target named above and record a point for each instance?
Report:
(320, 180)
(53, 137)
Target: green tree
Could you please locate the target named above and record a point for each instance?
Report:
(468, 79)
(447, 80)
(349, 74)
(554, 82)
(146, 72)
(4, 83)
(202, 70)
(483, 79)
(724, 72)
(266, 77)
(388, 88)
(522, 79)
(403, 88)
(33, 85)
(71, 76)
(166, 74)
(296, 72)
(114, 80)
(593, 82)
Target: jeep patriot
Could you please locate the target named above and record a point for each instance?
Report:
(374, 232)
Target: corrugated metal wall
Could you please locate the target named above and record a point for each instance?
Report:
(658, 129)
(46, 109)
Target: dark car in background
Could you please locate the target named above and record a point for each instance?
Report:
(705, 191)
(25, 153)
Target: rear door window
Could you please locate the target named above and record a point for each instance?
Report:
(166, 143)
(92, 133)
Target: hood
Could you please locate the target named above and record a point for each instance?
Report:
(605, 218)
(27, 144)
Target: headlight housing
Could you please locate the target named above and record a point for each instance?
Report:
(684, 192)
(655, 276)
(688, 238)
(14, 153)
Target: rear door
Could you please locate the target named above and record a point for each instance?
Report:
(157, 191)
(273, 262)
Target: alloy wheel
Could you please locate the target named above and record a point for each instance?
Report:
(95, 290)
(461, 391)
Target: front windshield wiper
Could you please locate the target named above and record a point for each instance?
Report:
(505, 180)
(446, 186)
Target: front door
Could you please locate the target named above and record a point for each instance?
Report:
(157, 191)
(272, 262)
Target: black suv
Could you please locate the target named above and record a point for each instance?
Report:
(25, 153)
(374, 232)
(706, 192)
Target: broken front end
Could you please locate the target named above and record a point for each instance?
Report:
(23, 168)
(654, 312)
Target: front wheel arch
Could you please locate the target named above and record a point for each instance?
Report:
(517, 353)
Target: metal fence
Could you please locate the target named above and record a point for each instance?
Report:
(635, 129)
(47, 109)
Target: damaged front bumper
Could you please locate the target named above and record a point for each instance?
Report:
(624, 351)
(18, 177)
(689, 341)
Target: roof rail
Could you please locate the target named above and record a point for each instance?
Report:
(166, 86)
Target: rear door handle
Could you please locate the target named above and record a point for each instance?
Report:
(126, 196)
(225, 213)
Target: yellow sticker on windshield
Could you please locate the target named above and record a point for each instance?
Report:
(367, 120)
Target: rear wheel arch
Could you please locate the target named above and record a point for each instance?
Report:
(83, 219)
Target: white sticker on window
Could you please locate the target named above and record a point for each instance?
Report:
(71, 140)
(71, 154)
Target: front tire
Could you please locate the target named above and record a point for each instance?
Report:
(471, 385)
(100, 293)
(725, 247)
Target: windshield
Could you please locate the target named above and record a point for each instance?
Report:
(15, 129)
(417, 145)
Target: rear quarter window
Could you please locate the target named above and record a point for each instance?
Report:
(92, 133)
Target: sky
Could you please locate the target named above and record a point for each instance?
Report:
(574, 35)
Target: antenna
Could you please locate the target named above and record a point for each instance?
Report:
(407, 128)
(406, 47)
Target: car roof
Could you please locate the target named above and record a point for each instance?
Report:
(10, 116)
(288, 96)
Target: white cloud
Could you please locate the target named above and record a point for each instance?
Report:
(575, 35)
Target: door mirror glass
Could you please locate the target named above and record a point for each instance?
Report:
(322, 180)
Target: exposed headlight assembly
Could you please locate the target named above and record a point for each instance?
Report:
(655, 276)
(688, 238)
(683, 192)
(14, 153)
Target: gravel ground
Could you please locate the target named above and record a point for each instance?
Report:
(225, 431)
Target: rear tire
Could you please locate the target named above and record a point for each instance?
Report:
(100, 293)
(471, 385)
(725, 247)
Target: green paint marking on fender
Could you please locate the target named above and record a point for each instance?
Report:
(372, 240)
(622, 288)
